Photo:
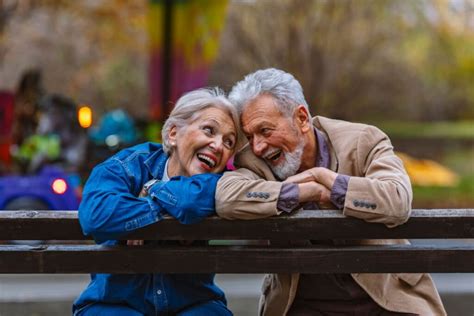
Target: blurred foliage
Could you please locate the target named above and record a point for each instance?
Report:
(359, 60)
(459, 196)
(94, 51)
(362, 60)
(443, 129)
(392, 61)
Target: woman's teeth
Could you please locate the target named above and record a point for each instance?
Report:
(207, 160)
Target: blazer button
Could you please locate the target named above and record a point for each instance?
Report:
(373, 206)
(249, 194)
(356, 203)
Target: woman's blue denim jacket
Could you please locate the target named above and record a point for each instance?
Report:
(111, 207)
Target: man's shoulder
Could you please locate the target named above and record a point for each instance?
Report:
(245, 158)
(344, 132)
(335, 125)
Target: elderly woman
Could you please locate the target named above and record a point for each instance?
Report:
(179, 178)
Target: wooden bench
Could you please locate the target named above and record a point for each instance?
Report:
(449, 248)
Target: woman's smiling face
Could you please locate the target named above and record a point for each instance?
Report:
(204, 145)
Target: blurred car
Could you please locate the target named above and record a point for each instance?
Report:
(49, 189)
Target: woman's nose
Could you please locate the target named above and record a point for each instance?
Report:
(216, 144)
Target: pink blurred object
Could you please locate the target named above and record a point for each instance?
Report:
(230, 164)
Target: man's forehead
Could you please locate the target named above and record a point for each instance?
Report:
(260, 110)
(262, 106)
(253, 125)
(263, 99)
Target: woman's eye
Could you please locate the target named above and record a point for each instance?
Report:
(229, 143)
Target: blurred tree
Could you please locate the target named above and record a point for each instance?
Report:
(352, 57)
(82, 48)
(439, 47)
(360, 60)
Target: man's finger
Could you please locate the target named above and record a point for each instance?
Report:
(300, 178)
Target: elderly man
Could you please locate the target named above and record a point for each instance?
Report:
(293, 161)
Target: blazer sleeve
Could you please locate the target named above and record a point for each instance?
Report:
(242, 194)
(383, 193)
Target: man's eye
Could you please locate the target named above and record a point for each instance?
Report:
(265, 131)
(208, 129)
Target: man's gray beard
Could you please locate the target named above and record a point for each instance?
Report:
(290, 165)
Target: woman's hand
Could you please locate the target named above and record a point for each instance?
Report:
(314, 192)
(302, 177)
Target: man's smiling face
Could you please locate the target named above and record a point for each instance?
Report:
(272, 136)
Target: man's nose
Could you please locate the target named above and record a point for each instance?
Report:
(258, 147)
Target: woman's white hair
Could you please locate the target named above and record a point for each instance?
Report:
(282, 86)
(188, 107)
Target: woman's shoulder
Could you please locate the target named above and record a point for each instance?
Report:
(143, 149)
(138, 154)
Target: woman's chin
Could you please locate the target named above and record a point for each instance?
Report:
(202, 168)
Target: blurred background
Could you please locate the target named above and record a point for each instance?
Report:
(80, 80)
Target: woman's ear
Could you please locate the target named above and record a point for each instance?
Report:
(172, 135)
(302, 118)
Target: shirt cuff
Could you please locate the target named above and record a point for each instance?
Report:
(288, 198)
(339, 191)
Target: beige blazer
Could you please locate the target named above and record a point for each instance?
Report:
(379, 191)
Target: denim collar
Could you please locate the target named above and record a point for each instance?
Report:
(156, 163)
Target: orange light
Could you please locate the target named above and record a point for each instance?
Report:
(59, 186)
(84, 115)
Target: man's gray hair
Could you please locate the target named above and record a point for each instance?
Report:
(188, 107)
(282, 86)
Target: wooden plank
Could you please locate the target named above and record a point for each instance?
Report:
(63, 225)
(235, 259)
(40, 225)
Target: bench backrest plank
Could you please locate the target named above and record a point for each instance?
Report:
(73, 257)
(64, 225)
(235, 259)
